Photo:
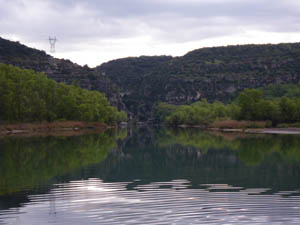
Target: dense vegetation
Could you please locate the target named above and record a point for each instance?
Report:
(279, 110)
(198, 113)
(279, 104)
(276, 91)
(26, 96)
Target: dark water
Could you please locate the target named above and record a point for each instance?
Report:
(150, 176)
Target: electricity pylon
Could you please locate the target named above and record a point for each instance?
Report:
(52, 42)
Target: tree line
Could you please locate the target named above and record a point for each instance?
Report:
(27, 96)
(250, 105)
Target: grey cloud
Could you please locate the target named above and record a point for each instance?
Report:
(112, 18)
(164, 21)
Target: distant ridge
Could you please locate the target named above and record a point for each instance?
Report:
(138, 83)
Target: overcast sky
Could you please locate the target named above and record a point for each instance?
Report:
(95, 31)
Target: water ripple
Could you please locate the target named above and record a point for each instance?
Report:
(94, 202)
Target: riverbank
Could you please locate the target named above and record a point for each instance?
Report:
(260, 130)
(57, 128)
(259, 127)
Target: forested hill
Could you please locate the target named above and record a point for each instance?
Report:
(59, 70)
(218, 73)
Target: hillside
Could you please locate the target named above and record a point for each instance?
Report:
(218, 73)
(138, 83)
(59, 70)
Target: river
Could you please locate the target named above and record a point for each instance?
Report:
(150, 176)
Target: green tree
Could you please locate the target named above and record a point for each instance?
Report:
(249, 100)
(26, 96)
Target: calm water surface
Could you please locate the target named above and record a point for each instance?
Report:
(150, 176)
